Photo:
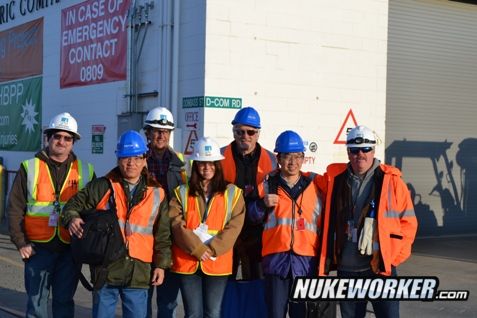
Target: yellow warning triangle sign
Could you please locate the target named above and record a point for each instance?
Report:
(348, 124)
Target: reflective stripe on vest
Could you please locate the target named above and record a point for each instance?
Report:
(38, 208)
(280, 232)
(187, 264)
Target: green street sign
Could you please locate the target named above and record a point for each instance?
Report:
(212, 102)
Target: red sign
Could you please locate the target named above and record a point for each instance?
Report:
(21, 51)
(341, 137)
(93, 42)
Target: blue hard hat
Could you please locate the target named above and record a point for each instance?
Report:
(130, 144)
(247, 116)
(289, 141)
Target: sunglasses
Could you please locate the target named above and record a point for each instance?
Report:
(250, 132)
(135, 160)
(65, 138)
(359, 141)
(356, 150)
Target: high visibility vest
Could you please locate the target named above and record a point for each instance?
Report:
(396, 219)
(137, 230)
(286, 228)
(266, 163)
(219, 213)
(41, 200)
(186, 169)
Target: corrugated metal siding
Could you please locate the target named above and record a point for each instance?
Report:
(431, 104)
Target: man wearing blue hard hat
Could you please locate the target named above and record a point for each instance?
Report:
(289, 205)
(142, 211)
(246, 163)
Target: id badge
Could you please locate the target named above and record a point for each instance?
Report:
(53, 220)
(300, 224)
(127, 229)
(203, 227)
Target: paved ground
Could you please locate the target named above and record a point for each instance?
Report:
(452, 259)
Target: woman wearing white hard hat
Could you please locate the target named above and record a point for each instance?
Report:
(207, 215)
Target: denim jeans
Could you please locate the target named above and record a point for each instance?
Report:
(57, 271)
(277, 291)
(134, 302)
(357, 309)
(166, 296)
(202, 294)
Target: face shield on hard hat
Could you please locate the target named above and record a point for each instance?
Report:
(361, 137)
(159, 117)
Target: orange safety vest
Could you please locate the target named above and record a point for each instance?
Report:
(396, 219)
(219, 210)
(281, 230)
(140, 241)
(41, 198)
(266, 163)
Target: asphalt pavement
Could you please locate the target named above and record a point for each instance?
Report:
(452, 259)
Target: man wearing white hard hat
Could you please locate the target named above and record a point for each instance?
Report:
(169, 169)
(41, 187)
(364, 196)
(207, 215)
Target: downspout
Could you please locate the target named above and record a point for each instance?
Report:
(175, 73)
(131, 50)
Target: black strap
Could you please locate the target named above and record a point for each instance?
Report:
(101, 271)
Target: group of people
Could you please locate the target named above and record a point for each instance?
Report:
(192, 229)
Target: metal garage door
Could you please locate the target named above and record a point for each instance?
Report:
(431, 115)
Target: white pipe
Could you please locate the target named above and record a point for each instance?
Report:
(175, 67)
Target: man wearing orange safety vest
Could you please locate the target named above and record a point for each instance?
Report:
(246, 163)
(41, 187)
(290, 208)
(142, 211)
(369, 220)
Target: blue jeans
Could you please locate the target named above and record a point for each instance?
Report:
(57, 271)
(357, 309)
(166, 296)
(134, 301)
(202, 294)
(277, 291)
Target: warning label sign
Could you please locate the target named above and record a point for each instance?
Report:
(348, 124)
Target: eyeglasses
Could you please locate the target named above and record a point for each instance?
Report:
(135, 160)
(65, 138)
(359, 141)
(356, 150)
(290, 157)
(250, 132)
(161, 121)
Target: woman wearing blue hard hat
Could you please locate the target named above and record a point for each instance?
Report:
(289, 206)
(206, 215)
(142, 212)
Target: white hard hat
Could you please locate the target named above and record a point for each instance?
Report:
(66, 122)
(206, 149)
(361, 136)
(159, 117)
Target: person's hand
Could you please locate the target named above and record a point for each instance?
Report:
(270, 200)
(157, 277)
(76, 227)
(207, 255)
(26, 251)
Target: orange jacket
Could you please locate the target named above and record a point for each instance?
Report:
(281, 229)
(42, 201)
(219, 213)
(266, 163)
(396, 220)
(137, 230)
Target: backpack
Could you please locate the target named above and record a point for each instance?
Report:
(101, 244)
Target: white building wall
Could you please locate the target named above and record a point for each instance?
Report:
(302, 64)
